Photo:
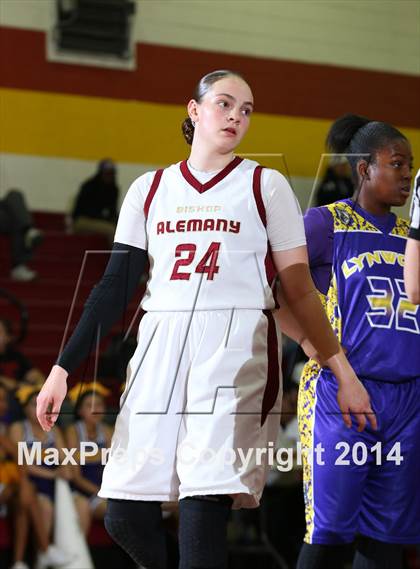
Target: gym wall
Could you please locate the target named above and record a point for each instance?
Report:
(308, 61)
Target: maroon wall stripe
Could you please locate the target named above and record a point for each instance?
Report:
(169, 74)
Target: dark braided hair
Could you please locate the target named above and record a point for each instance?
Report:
(354, 134)
(202, 88)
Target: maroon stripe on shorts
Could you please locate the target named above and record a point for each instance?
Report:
(273, 369)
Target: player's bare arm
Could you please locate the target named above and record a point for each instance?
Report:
(305, 307)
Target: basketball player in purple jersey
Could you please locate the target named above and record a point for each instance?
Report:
(368, 484)
(205, 375)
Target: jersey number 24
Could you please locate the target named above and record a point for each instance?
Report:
(207, 264)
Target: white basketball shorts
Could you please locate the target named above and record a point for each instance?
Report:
(200, 408)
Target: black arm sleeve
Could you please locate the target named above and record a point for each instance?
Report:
(106, 303)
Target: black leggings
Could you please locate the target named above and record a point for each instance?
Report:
(369, 554)
(138, 528)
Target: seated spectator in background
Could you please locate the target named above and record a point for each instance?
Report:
(14, 366)
(16, 221)
(337, 183)
(42, 477)
(95, 210)
(90, 407)
(17, 497)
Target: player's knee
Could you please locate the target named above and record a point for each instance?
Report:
(204, 508)
(203, 521)
(137, 527)
(322, 556)
(374, 554)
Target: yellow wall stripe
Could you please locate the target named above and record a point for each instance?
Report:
(72, 126)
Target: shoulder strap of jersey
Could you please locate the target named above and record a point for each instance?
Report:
(256, 188)
(153, 188)
(269, 264)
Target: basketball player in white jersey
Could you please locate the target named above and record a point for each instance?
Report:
(202, 401)
(412, 249)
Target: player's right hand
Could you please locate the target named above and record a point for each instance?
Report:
(51, 396)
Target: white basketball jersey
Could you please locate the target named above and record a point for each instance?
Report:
(207, 243)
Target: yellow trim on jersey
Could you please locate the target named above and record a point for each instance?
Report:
(401, 227)
(307, 405)
(332, 308)
(306, 418)
(347, 219)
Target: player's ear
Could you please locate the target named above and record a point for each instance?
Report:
(363, 169)
(192, 109)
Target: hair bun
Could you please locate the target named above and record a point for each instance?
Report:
(343, 130)
(188, 130)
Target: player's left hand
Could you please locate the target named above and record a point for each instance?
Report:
(352, 396)
(353, 399)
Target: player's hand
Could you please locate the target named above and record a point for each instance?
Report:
(353, 399)
(51, 396)
(352, 396)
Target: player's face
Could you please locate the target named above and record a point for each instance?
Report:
(224, 113)
(390, 173)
